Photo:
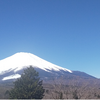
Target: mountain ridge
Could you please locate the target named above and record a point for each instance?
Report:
(13, 66)
(22, 60)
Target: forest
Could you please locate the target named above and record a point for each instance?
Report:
(61, 91)
(30, 85)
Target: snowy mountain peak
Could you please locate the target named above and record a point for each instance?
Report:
(21, 60)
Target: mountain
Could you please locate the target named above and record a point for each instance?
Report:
(12, 67)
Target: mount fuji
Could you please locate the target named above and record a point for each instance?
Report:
(12, 67)
(19, 61)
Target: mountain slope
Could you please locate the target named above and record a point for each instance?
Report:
(11, 66)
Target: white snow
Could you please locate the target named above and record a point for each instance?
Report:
(19, 60)
(11, 77)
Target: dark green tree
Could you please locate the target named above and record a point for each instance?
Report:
(29, 86)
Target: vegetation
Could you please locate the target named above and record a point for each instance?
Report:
(72, 92)
(65, 91)
(28, 86)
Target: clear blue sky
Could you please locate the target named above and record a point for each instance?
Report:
(64, 32)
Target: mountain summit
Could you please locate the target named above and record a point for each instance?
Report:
(10, 66)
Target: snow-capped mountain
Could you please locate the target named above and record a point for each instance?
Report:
(10, 67)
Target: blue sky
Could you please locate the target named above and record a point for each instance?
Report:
(64, 32)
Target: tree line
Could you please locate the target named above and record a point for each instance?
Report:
(29, 86)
